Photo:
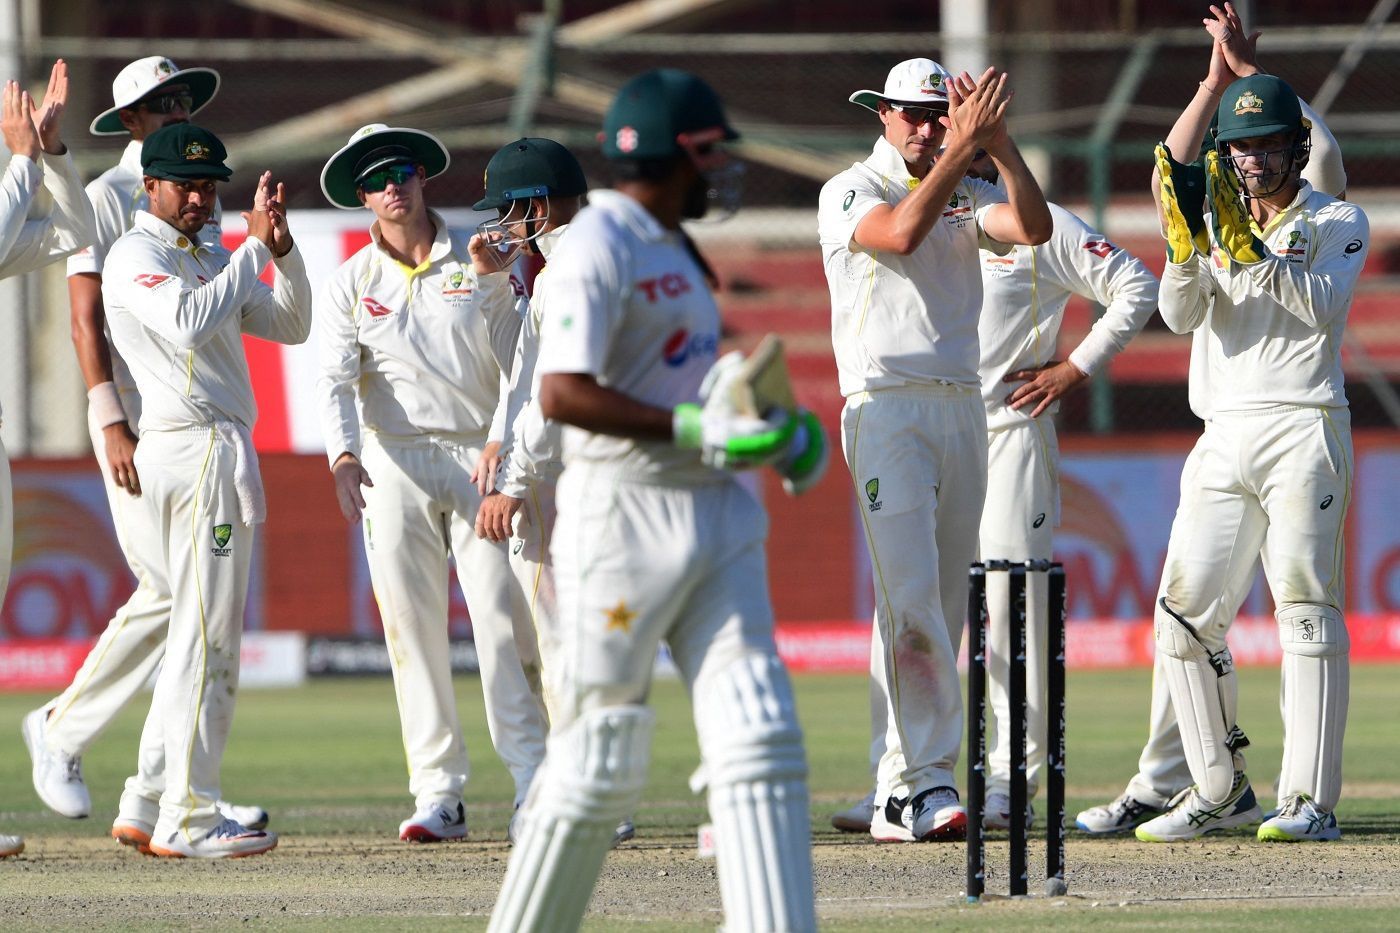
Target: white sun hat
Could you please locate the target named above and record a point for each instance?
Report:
(919, 81)
(144, 77)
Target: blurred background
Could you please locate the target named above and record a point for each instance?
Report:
(1097, 82)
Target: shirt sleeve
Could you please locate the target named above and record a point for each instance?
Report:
(281, 313)
(111, 212)
(1186, 294)
(1088, 264)
(1317, 292)
(337, 331)
(21, 181)
(587, 302)
(64, 226)
(501, 311)
(148, 284)
(843, 204)
(1324, 170)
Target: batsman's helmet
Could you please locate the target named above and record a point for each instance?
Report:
(655, 114)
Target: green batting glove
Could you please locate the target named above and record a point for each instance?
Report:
(804, 462)
(1229, 220)
(1182, 189)
(731, 441)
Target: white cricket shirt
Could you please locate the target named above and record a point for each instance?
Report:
(178, 311)
(629, 306)
(903, 320)
(1270, 333)
(1024, 294)
(421, 350)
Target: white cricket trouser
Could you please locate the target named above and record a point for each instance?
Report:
(918, 457)
(422, 508)
(187, 481)
(534, 573)
(1274, 485)
(7, 522)
(1018, 524)
(131, 646)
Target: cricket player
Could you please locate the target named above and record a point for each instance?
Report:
(900, 234)
(413, 347)
(656, 539)
(177, 309)
(1263, 283)
(1162, 769)
(35, 231)
(147, 94)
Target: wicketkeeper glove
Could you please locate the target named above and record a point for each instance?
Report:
(727, 438)
(804, 462)
(1229, 220)
(1182, 189)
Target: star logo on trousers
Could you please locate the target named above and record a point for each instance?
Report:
(620, 617)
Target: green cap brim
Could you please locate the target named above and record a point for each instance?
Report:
(188, 173)
(203, 84)
(338, 177)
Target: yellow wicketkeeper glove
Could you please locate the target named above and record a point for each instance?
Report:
(1229, 220)
(1182, 189)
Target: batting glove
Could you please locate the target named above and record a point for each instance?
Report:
(1182, 189)
(728, 440)
(1229, 220)
(804, 462)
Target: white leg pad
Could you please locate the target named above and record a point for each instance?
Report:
(1205, 695)
(1317, 679)
(592, 778)
(757, 775)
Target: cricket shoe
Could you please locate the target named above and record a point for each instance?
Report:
(1122, 815)
(938, 816)
(1300, 819)
(625, 832)
(856, 819)
(435, 822)
(249, 815)
(58, 777)
(227, 840)
(997, 813)
(11, 845)
(1191, 815)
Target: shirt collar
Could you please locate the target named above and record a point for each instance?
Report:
(442, 240)
(886, 160)
(150, 223)
(131, 158)
(547, 243)
(631, 213)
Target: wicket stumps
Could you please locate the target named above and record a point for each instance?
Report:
(1018, 614)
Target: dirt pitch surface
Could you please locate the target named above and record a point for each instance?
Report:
(364, 882)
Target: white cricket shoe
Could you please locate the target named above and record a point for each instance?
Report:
(997, 812)
(136, 821)
(938, 816)
(435, 822)
(1300, 820)
(625, 831)
(1191, 815)
(856, 818)
(250, 816)
(1123, 815)
(58, 778)
(227, 840)
(11, 845)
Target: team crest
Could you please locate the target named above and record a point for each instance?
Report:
(872, 492)
(196, 150)
(222, 534)
(1249, 102)
(626, 139)
(953, 201)
(455, 279)
(1294, 238)
(931, 84)
(164, 67)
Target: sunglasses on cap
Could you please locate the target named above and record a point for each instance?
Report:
(917, 116)
(397, 175)
(167, 103)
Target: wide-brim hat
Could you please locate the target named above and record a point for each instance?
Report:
(145, 77)
(373, 147)
(531, 168)
(921, 82)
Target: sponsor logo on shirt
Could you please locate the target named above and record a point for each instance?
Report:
(959, 210)
(150, 279)
(1353, 247)
(1100, 248)
(670, 285)
(682, 345)
(850, 199)
(374, 308)
(222, 534)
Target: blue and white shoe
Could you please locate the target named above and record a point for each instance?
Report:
(1300, 820)
(1190, 815)
(1123, 815)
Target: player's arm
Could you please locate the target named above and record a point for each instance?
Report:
(338, 347)
(1324, 171)
(977, 118)
(283, 312)
(1321, 289)
(87, 317)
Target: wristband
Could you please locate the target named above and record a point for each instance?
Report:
(105, 405)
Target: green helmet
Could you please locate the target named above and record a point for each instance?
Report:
(653, 112)
(1257, 106)
(531, 168)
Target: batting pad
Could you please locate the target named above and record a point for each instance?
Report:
(757, 775)
(1205, 694)
(1315, 693)
(764, 383)
(593, 775)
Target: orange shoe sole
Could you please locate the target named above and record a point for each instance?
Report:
(157, 850)
(131, 836)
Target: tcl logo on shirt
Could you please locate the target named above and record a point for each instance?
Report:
(374, 308)
(670, 285)
(150, 279)
(682, 345)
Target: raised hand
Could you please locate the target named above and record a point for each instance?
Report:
(16, 125)
(259, 219)
(276, 206)
(50, 114)
(977, 109)
(1234, 46)
(487, 255)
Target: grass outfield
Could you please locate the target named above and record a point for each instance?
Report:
(327, 761)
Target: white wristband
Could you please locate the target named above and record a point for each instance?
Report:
(105, 405)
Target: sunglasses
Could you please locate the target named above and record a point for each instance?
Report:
(168, 103)
(397, 175)
(917, 116)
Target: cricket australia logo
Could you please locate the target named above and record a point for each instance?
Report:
(932, 84)
(222, 534)
(872, 493)
(196, 150)
(1249, 102)
(452, 286)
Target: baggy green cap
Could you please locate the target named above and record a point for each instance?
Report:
(1257, 106)
(531, 168)
(184, 152)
